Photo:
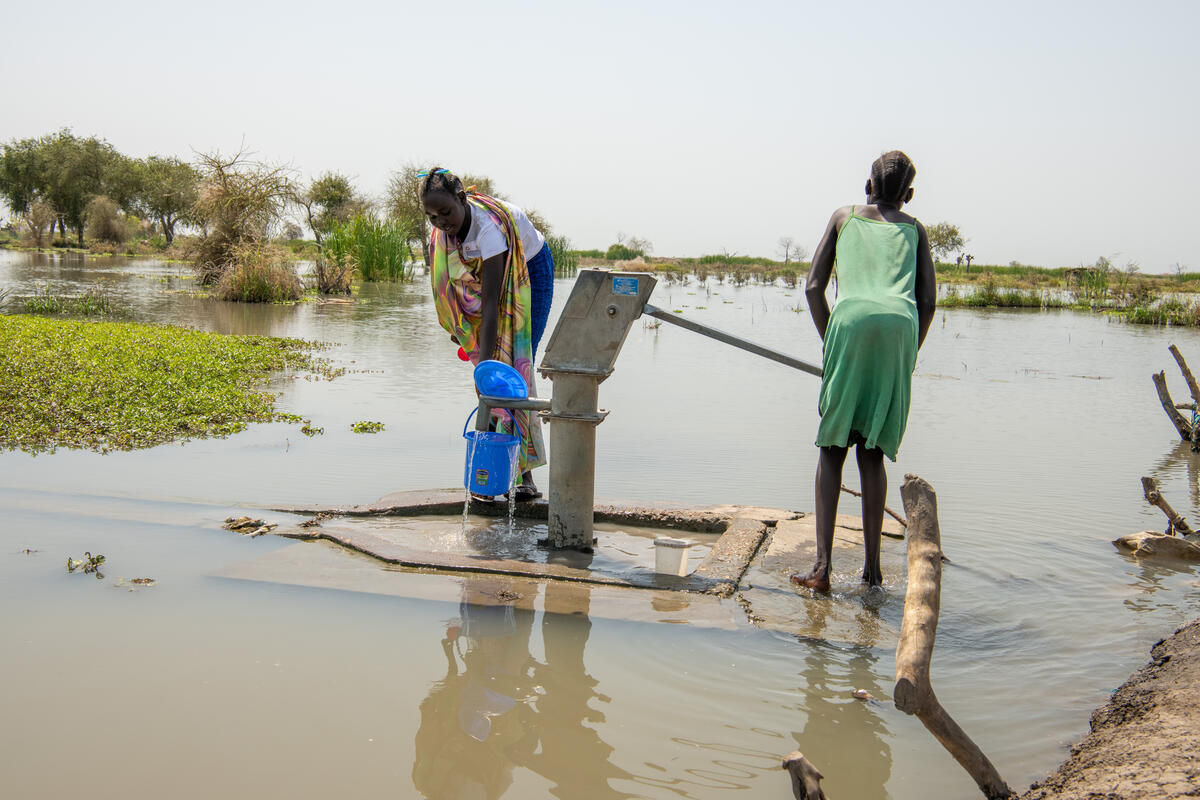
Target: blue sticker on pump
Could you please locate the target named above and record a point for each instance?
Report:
(625, 286)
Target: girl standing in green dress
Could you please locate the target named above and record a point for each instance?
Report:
(886, 291)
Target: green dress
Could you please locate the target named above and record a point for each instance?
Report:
(871, 339)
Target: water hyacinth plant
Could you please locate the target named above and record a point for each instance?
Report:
(120, 385)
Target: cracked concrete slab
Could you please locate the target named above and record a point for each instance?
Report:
(851, 613)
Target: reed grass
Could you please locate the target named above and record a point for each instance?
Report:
(566, 260)
(377, 247)
(96, 301)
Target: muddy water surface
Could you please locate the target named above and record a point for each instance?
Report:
(1033, 427)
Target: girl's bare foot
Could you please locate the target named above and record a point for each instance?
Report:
(816, 580)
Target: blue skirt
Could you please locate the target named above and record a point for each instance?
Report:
(541, 291)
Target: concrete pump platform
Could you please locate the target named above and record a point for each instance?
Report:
(402, 542)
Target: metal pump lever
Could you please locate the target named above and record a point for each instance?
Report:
(729, 338)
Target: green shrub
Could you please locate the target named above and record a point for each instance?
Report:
(104, 222)
(257, 275)
(589, 253)
(620, 252)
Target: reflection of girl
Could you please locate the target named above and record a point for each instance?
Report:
(477, 725)
(885, 300)
(493, 281)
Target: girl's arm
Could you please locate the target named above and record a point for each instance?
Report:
(926, 286)
(822, 271)
(493, 283)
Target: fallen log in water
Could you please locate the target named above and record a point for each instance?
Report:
(922, 602)
(806, 779)
(1189, 430)
(1187, 373)
(1182, 425)
(1153, 543)
(1176, 523)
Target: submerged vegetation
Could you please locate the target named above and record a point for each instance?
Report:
(121, 386)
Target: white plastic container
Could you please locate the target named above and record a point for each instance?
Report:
(671, 555)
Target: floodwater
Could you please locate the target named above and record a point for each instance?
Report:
(1033, 427)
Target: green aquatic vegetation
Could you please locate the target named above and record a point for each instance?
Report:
(89, 564)
(377, 248)
(259, 275)
(367, 427)
(96, 301)
(1169, 311)
(311, 430)
(122, 386)
(989, 296)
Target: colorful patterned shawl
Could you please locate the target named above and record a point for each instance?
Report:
(458, 297)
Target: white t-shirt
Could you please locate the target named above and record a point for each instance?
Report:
(486, 239)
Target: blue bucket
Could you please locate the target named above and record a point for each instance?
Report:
(491, 460)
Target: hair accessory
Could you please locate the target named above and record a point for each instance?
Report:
(425, 174)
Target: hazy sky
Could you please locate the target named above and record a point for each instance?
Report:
(1051, 133)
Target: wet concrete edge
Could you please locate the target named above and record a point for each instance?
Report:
(719, 574)
(1143, 742)
(445, 502)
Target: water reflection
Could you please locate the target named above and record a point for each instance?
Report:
(499, 708)
(1182, 459)
(1148, 577)
(845, 737)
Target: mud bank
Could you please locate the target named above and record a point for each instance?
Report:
(1144, 742)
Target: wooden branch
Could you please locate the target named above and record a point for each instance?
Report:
(806, 779)
(1182, 425)
(1176, 522)
(890, 513)
(922, 602)
(1187, 373)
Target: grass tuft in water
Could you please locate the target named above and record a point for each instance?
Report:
(96, 301)
(377, 248)
(122, 386)
(259, 275)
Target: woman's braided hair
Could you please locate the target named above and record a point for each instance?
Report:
(438, 179)
(891, 176)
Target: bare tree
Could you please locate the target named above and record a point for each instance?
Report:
(790, 250)
(240, 201)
